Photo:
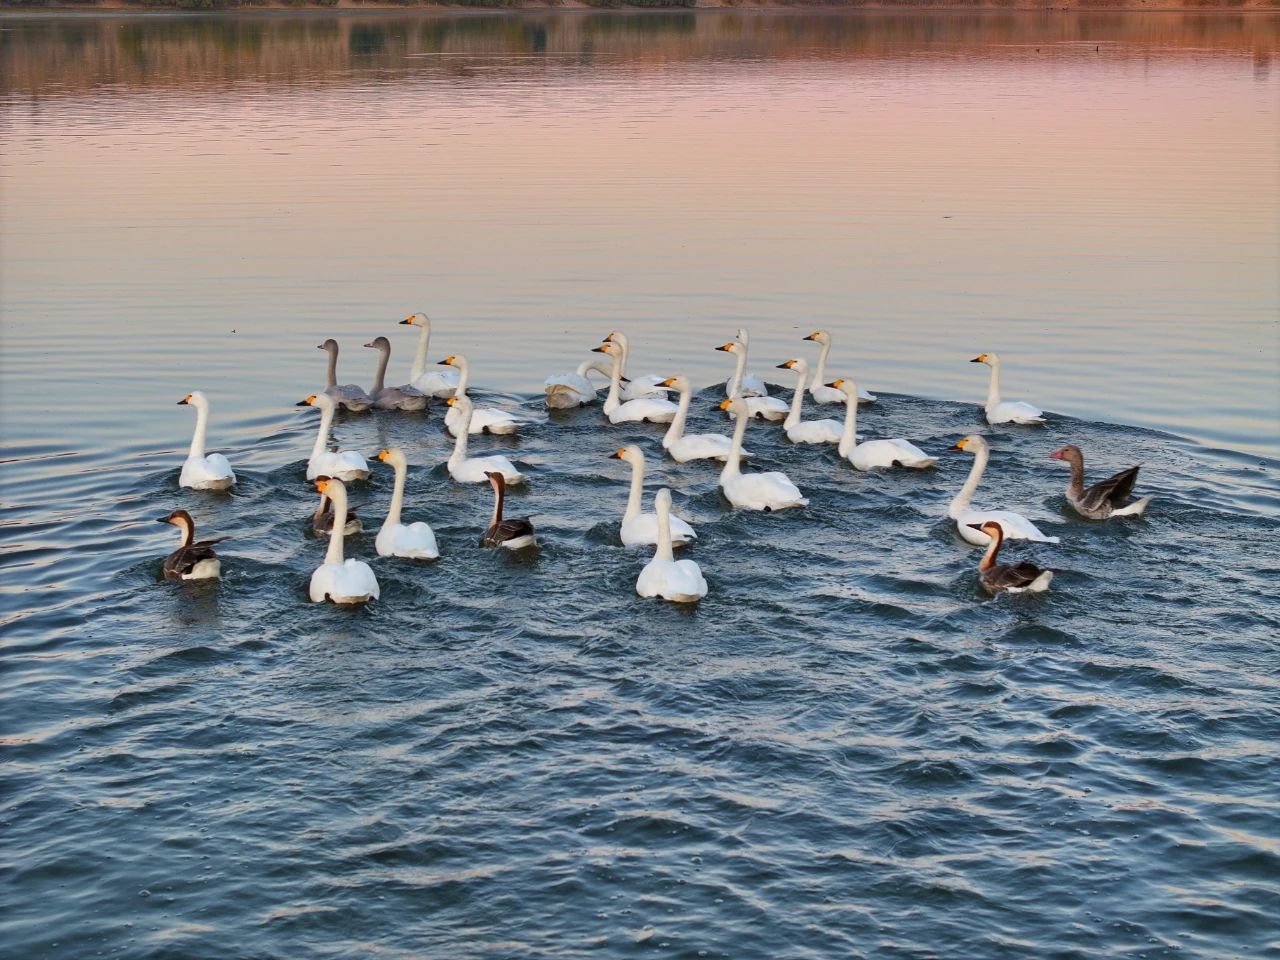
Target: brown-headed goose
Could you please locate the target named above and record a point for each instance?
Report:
(514, 533)
(343, 395)
(322, 519)
(194, 559)
(403, 397)
(1107, 498)
(1024, 577)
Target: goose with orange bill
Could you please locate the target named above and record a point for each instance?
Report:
(1106, 498)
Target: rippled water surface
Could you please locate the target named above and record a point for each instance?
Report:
(846, 750)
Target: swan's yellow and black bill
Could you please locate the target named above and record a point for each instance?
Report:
(617, 454)
(726, 348)
(322, 483)
(383, 455)
(601, 349)
(451, 402)
(724, 404)
(406, 320)
(836, 383)
(447, 361)
(789, 364)
(307, 402)
(960, 445)
(184, 400)
(611, 337)
(981, 358)
(812, 336)
(669, 382)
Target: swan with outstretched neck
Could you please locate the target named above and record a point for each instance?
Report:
(872, 454)
(642, 528)
(466, 469)
(203, 471)
(483, 419)
(345, 465)
(640, 410)
(818, 389)
(569, 390)
(640, 387)
(194, 559)
(683, 447)
(1005, 411)
(432, 382)
(413, 541)
(807, 431)
(342, 580)
(1013, 526)
(664, 576)
(404, 397)
(1106, 498)
(348, 395)
(754, 491)
(759, 407)
(1024, 577)
(743, 384)
(512, 533)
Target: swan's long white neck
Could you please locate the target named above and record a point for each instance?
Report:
(625, 344)
(676, 430)
(735, 382)
(338, 494)
(384, 355)
(636, 495)
(962, 499)
(849, 436)
(397, 494)
(993, 389)
(333, 366)
(733, 464)
(797, 402)
(202, 429)
(464, 376)
(664, 551)
(420, 358)
(615, 383)
(584, 368)
(322, 435)
(820, 373)
(460, 442)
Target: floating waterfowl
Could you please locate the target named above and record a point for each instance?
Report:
(413, 541)
(194, 559)
(969, 521)
(1107, 498)
(570, 390)
(1024, 577)
(642, 528)
(466, 469)
(754, 491)
(483, 419)
(664, 576)
(640, 410)
(342, 580)
(683, 447)
(807, 431)
(431, 381)
(345, 465)
(203, 471)
(347, 395)
(404, 397)
(870, 454)
(642, 387)
(758, 407)
(322, 519)
(1005, 411)
(742, 383)
(514, 533)
(818, 388)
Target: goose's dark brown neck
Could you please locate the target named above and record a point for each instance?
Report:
(499, 494)
(188, 529)
(993, 549)
(1076, 462)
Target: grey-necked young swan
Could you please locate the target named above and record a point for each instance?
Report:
(403, 397)
(194, 559)
(344, 395)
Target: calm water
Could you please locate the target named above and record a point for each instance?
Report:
(845, 750)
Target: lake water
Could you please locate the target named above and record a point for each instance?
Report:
(845, 750)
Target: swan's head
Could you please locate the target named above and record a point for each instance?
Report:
(971, 444)
(180, 519)
(331, 345)
(744, 338)
(417, 320)
(380, 343)
(393, 457)
(736, 405)
(662, 501)
(452, 360)
(195, 398)
(820, 336)
(1070, 453)
(845, 386)
(678, 382)
(990, 528)
(609, 347)
(990, 359)
(631, 454)
(616, 337)
(321, 400)
(327, 485)
(462, 403)
(733, 346)
(799, 366)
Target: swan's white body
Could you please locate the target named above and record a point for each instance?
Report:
(1005, 411)
(683, 447)
(641, 387)
(433, 382)
(807, 431)
(466, 469)
(818, 388)
(664, 576)
(415, 541)
(483, 419)
(643, 410)
(871, 454)
(203, 471)
(345, 465)
(758, 407)
(743, 384)
(338, 579)
(574, 389)
(642, 528)
(1014, 525)
(754, 491)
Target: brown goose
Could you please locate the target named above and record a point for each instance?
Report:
(515, 533)
(322, 519)
(1107, 498)
(193, 560)
(996, 577)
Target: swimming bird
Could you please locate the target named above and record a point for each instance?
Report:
(754, 491)
(646, 386)
(432, 382)
(640, 410)
(346, 465)
(569, 390)
(1107, 498)
(1005, 411)
(483, 419)
(818, 389)
(683, 447)
(194, 559)
(347, 395)
(322, 519)
(870, 454)
(1013, 526)
(203, 471)
(664, 576)
(404, 397)
(743, 384)
(1024, 577)
(414, 541)
(758, 407)
(466, 469)
(340, 579)
(807, 431)
(514, 533)
(642, 528)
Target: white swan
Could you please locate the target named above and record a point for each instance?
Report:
(642, 528)
(433, 382)
(483, 419)
(758, 407)
(637, 388)
(347, 395)
(569, 390)
(337, 579)
(968, 520)
(807, 431)
(874, 453)
(743, 384)
(683, 447)
(643, 409)
(754, 491)
(203, 471)
(818, 388)
(345, 465)
(664, 576)
(466, 469)
(404, 397)
(1005, 411)
(416, 540)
